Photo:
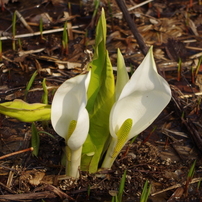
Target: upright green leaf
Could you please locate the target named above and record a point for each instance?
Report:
(45, 92)
(35, 141)
(122, 74)
(100, 100)
(29, 85)
(122, 186)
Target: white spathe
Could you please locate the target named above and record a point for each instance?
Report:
(69, 104)
(142, 99)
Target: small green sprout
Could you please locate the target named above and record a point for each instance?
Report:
(45, 92)
(118, 197)
(198, 185)
(65, 40)
(20, 44)
(29, 85)
(41, 28)
(145, 192)
(14, 30)
(189, 177)
(196, 70)
(179, 70)
(35, 140)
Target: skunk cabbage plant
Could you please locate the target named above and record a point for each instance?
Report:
(70, 119)
(94, 116)
(142, 99)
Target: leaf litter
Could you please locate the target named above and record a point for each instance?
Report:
(174, 28)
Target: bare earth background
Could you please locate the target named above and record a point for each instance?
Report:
(163, 153)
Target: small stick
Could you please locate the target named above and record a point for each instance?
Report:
(17, 152)
(24, 21)
(132, 26)
(134, 7)
(176, 186)
(39, 33)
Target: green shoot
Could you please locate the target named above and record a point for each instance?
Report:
(115, 199)
(198, 67)
(133, 139)
(121, 187)
(179, 70)
(35, 141)
(145, 192)
(45, 100)
(20, 44)
(88, 191)
(198, 185)
(45, 92)
(96, 3)
(41, 28)
(194, 71)
(65, 40)
(190, 176)
(191, 170)
(118, 196)
(29, 85)
(46, 133)
(14, 30)
(0, 50)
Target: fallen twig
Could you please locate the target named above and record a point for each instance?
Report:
(132, 26)
(176, 186)
(37, 195)
(17, 152)
(134, 7)
(37, 33)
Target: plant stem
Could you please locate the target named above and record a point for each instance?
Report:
(112, 153)
(73, 162)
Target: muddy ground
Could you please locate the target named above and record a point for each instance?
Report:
(163, 153)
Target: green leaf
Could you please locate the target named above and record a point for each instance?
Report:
(26, 112)
(29, 85)
(100, 101)
(35, 141)
(145, 192)
(122, 74)
(121, 187)
(191, 170)
(45, 92)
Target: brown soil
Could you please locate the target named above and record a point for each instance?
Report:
(163, 156)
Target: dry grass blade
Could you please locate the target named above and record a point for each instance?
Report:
(24, 21)
(38, 33)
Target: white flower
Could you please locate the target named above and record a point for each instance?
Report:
(70, 118)
(142, 99)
